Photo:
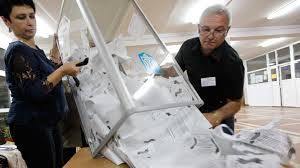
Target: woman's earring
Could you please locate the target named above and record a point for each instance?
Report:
(9, 29)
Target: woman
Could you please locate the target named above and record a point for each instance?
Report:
(38, 101)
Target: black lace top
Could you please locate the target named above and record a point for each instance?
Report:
(34, 99)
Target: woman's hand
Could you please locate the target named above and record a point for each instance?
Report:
(66, 69)
(70, 69)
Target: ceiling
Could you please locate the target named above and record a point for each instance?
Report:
(249, 24)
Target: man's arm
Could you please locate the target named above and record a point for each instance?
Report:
(169, 70)
(234, 94)
(226, 111)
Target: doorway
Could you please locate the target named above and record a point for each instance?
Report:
(287, 86)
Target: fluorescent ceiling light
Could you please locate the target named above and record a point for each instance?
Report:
(173, 48)
(284, 9)
(5, 40)
(43, 28)
(272, 41)
(194, 13)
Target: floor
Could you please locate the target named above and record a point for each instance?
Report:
(254, 117)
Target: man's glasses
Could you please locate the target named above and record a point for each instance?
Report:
(218, 32)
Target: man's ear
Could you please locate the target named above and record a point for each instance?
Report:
(5, 20)
(2, 17)
(199, 28)
(227, 30)
(7, 23)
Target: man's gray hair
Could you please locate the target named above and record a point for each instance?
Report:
(217, 9)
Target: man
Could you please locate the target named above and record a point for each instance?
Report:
(214, 67)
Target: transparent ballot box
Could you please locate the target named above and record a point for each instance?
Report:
(130, 72)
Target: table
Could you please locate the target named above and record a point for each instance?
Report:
(84, 159)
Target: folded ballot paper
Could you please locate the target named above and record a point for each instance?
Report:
(262, 147)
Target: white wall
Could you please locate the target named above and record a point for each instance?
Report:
(297, 81)
(260, 94)
(288, 93)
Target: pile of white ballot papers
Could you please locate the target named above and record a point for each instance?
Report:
(125, 80)
(178, 137)
(180, 142)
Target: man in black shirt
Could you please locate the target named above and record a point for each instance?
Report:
(214, 67)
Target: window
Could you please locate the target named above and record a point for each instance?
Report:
(4, 94)
(4, 103)
(257, 63)
(297, 70)
(297, 51)
(2, 59)
(273, 75)
(285, 72)
(4, 133)
(283, 55)
(257, 77)
(272, 59)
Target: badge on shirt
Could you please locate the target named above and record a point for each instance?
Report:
(209, 81)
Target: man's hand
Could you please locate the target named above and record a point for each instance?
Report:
(54, 52)
(168, 71)
(213, 118)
